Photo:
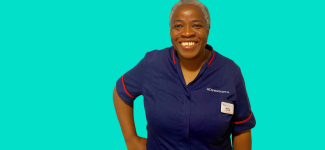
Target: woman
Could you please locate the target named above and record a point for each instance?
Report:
(194, 97)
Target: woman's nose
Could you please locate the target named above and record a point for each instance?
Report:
(187, 32)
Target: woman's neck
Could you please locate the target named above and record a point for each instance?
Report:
(195, 64)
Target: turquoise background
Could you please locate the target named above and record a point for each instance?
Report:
(60, 60)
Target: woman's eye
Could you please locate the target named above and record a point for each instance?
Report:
(177, 26)
(197, 26)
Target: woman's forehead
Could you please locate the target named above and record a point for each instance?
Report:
(188, 10)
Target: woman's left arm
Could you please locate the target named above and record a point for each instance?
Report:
(242, 140)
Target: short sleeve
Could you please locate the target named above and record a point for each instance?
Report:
(129, 85)
(243, 118)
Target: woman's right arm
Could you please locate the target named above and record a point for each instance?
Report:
(124, 112)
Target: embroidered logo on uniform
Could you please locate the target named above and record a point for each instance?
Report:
(218, 91)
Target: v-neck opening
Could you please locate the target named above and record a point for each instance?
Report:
(202, 69)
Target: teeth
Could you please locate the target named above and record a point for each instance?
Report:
(188, 43)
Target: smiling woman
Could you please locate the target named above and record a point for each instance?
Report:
(189, 32)
(194, 97)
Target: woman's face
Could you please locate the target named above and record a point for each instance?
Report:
(189, 31)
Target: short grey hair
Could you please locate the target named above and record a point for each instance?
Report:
(203, 8)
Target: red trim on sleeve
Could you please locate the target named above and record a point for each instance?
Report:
(125, 89)
(212, 58)
(239, 122)
(174, 56)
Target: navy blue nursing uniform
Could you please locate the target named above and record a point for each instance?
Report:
(188, 117)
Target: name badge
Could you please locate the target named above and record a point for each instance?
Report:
(227, 108)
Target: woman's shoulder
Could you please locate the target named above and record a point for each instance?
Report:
(158, 55)
(228, 63)
(228, 66)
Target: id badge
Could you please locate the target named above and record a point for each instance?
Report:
(227, 108)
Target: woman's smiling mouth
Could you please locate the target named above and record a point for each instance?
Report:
(188, 45)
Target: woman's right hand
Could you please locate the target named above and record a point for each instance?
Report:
(136, 143)
(124, 112)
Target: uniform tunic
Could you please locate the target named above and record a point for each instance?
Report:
(188, 117)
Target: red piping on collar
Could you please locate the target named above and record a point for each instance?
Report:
(212, 58)
(174, 56)
(126, 90)
(239, 122)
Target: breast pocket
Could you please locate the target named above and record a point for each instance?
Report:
(222, 124)
(225, 112)
(206, 111)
